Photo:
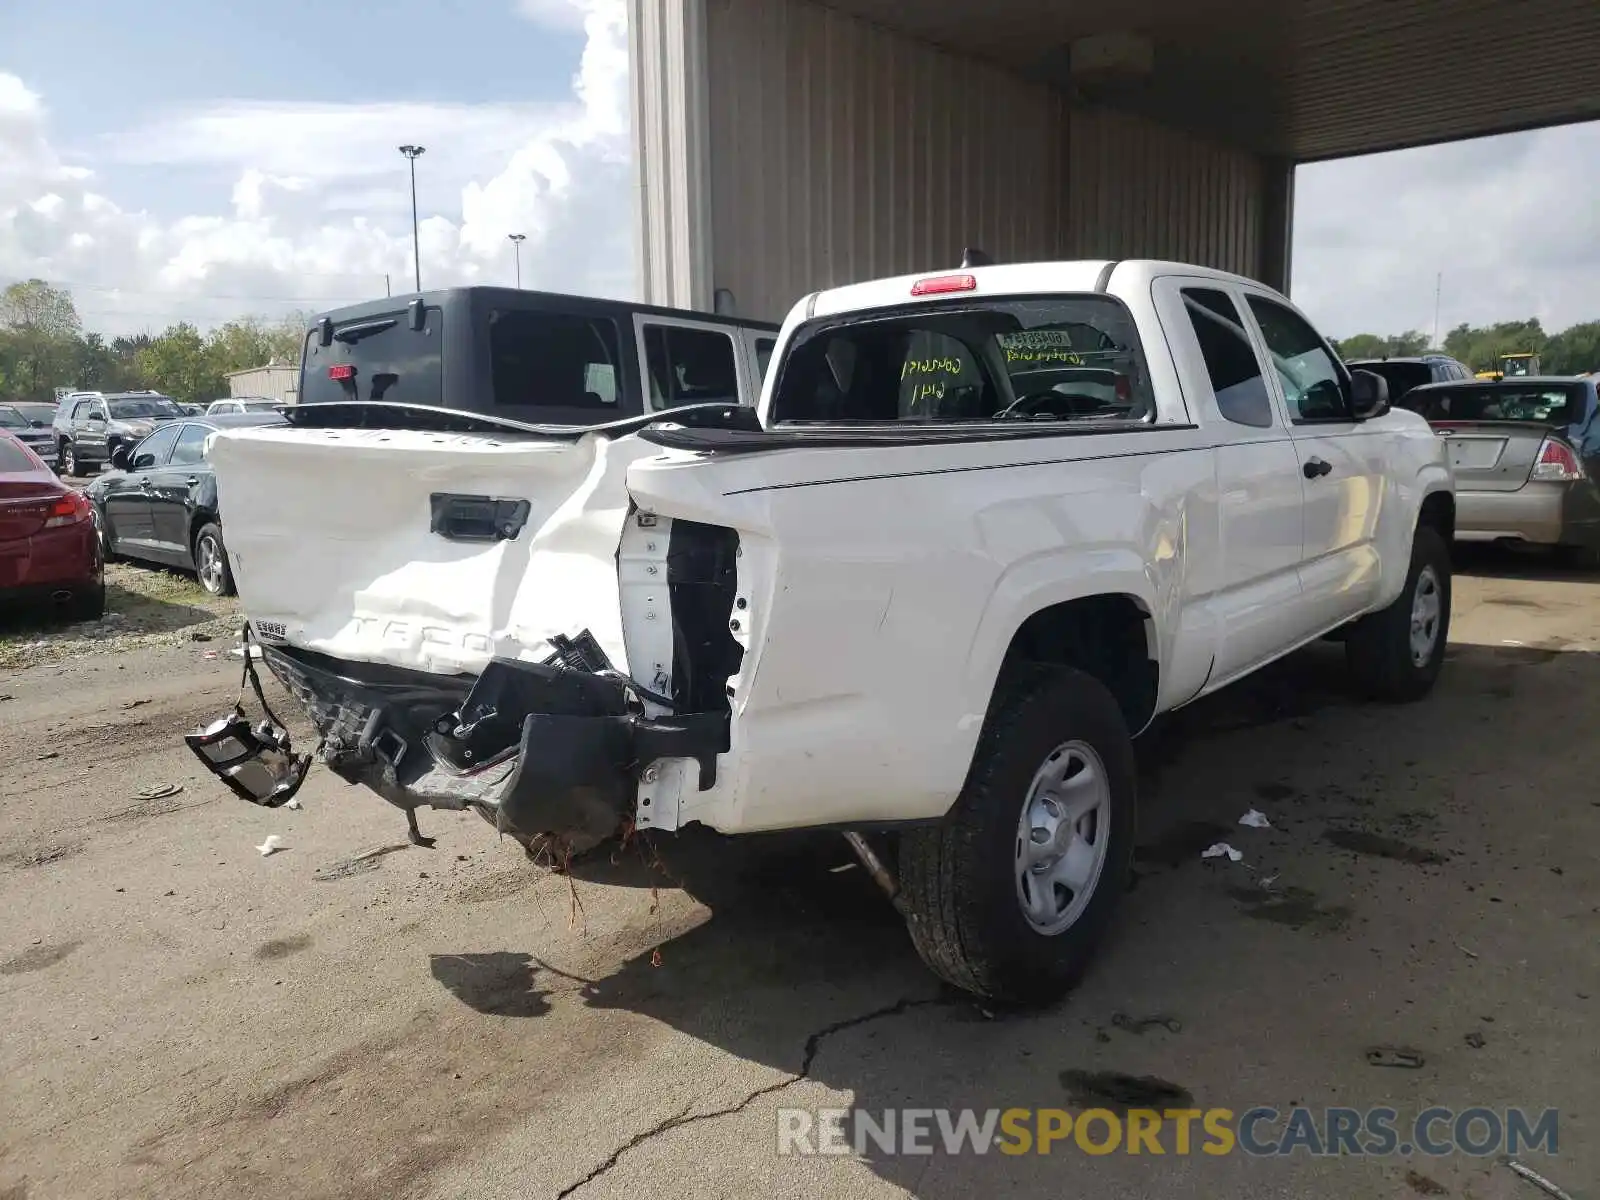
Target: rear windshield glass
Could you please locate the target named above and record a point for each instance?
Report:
(153, 407)
(10, 418)
(1072, 358)
(1401, 377)
(376, 358)
(1541, 405)
(13, 458)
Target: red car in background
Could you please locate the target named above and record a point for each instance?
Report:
(50, 560)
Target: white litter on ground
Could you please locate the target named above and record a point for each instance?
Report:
(1255, 820)
(292, 802)
(271, 846)
(1220, 850)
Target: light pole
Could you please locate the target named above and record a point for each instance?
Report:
(516, 249)
(413, 153)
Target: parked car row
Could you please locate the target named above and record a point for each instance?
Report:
(160, 505)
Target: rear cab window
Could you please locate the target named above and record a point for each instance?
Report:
(1070, 359)
(1231, 362)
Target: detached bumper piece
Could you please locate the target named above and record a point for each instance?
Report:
(258, 764)
(538, 748)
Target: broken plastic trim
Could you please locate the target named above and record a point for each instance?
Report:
(257, 763)
(387, 414)
(552, 747)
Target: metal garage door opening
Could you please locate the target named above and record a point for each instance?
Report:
(785, 145)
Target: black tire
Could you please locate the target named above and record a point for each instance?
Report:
(214, 575)
(107, 551)
(959, 879)
(68, 458)
(1379, 651)
(88, 604)
(1578, 558)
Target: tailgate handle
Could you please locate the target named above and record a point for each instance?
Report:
(477, 518)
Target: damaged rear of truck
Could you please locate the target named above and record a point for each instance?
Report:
(475, 614)
(984, 527)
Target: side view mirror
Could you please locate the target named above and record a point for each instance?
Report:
(122, 458)
(1369, 395)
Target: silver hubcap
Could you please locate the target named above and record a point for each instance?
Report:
(1427, 604)
(208, 564)
(1062, 837)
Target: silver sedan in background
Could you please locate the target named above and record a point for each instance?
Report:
(1526, 453)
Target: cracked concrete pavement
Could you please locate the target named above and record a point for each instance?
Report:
(186, 1018)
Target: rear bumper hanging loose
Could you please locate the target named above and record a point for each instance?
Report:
(540, 748)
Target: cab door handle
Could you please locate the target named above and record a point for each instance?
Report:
(1316, 467)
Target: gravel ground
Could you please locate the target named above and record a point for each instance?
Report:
(354, 1017)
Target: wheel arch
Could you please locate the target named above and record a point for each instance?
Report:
(1110, 631)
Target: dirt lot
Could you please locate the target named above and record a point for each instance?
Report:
(353, 1017)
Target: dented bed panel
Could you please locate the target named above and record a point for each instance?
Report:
(337, 546)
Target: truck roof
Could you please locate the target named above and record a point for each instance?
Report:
(444, 296)
(1007, 279)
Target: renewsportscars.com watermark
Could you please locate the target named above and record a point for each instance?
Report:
(1261, 1132)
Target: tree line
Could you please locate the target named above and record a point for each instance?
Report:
(1573, 351)
(43, 346)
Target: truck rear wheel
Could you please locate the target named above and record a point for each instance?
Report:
(1396, 654)
(1008, 896)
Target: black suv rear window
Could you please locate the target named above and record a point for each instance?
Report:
(1401, 377)
(376, 358)
(1072, 358)
(1542, 405)
(555, 360)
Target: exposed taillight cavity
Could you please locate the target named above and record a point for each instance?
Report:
(1557, 463)
(1124, 389)
(71, 509)
(341, 371)
(938, 285)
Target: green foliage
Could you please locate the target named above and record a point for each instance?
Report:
(38, 338)
(1371, 345)
(43, 347)
(1571, 352)
(180, 363)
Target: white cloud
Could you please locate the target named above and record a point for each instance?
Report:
(319, 200)
(1511, 222)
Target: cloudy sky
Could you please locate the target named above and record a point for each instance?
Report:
(190, 160)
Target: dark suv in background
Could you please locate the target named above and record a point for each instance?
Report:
(89, 426)
(532, 356)
(1403, 374)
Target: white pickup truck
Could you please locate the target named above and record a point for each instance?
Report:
(984, 527)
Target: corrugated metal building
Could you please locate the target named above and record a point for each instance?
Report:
(785, 145)
(274, 381)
